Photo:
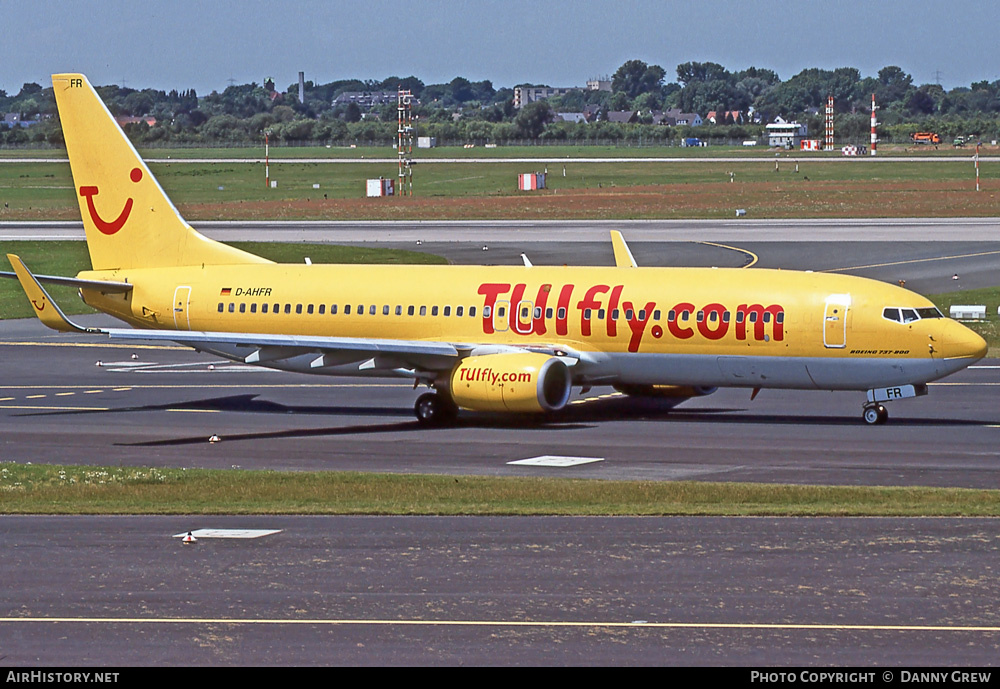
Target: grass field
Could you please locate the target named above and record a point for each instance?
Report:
(637, 189)
(31, 489)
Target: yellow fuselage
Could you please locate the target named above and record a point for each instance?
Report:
(739, 315)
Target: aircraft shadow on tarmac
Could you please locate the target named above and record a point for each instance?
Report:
(573, 417)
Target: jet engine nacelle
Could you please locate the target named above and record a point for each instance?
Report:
(518, 382)
(671, 391)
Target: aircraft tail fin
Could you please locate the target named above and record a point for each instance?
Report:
(129, 220)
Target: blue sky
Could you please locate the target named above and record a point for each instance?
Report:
(202, 44)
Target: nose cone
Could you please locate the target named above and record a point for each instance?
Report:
(962, 343)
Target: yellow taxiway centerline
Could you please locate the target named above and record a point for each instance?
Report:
(639, 624)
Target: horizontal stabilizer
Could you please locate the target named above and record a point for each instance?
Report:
(105, 286)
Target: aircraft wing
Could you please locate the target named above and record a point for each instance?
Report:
(261, 348)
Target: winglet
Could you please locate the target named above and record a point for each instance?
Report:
(48, 311)
(623, 256)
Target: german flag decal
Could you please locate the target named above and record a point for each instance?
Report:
(225, 291)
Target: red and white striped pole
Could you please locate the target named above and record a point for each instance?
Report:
(828, 139)
(874, 122)
(977, 165)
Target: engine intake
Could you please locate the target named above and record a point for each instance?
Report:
(518, 382)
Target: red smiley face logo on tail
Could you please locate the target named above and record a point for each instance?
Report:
(103, 225)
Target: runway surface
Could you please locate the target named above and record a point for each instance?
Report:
(398, 590)
(107, 592)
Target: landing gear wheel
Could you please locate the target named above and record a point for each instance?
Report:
(876, 414)
(432, 409)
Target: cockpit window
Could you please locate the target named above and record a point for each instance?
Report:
(898, 315)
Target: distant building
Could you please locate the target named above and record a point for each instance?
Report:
(123, 120)
(599, 84)
(365, 100)
(784, 134)
(592, 112)
(529, 94)
(14, 119)
(575, 117)
(675, 118)
(623, 117)
(724, 117)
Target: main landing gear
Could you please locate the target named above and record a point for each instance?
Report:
(875, 414)
(434, 409)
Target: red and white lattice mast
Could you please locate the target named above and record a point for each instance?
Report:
(828, 140)
(874, 123)
(404, 141)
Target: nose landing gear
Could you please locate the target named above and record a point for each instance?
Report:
(875, 414)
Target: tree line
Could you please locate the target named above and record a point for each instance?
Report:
(463, 111)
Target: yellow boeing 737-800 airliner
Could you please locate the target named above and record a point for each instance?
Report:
(484, 338)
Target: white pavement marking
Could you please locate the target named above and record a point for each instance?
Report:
(556, 461)
(229, 533)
